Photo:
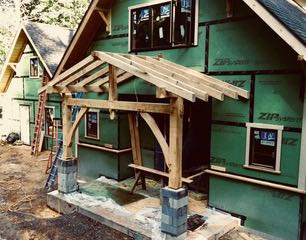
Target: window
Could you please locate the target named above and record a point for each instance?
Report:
(164, 24)
(92, 124)
(263, 148)
(1, 113)
(34, 67)
(49, 116)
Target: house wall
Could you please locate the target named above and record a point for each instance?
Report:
(23, 90)
(245, 52)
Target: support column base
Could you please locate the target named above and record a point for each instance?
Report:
(174, 212)
(67, 175)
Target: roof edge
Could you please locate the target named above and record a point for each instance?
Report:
(277, 27)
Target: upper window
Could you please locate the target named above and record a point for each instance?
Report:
(163, 24)
(34, 67)
(92, 124)
(263, 148)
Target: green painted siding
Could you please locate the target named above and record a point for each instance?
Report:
(268, 210)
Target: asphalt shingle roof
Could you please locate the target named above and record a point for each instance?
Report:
(51, 42)
(290, 14)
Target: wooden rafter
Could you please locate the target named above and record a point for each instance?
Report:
(93, 77)
(81, 73)
(173, 78)
(129, 67)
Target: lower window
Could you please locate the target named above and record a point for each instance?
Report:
(49, 116)
(92, 124)
(263, 148)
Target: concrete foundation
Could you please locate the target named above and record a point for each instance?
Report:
(67, 176)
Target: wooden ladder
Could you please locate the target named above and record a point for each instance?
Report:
(42, 98)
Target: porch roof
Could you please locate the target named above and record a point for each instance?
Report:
(92, 74)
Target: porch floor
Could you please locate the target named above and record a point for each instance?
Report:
(138, 214)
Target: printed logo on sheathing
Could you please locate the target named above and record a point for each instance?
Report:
(144, 14)
(186, 6)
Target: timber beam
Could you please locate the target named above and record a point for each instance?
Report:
(121, 105)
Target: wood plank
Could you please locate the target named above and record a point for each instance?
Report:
(144, 75)
(112, 93)
(213, 82)
(93, 77)
(158, 135)
(176, 143)
(194, 81)
(121, 105)
(76, 124)
(136, 150)
(103, 17)
(67, 126)
(107, 149)
(157, 172)
(92, 66)
(68, 72)
(201, 91)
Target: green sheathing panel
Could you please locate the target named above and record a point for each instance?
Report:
(120, 15)
(211, 10)
(16, 88)
(192, 57)
(137, 86)
(233, 110)
(23, 67)
(112, 132)
(268, 210)
(31, 86)
(108, 131)
(278, 100)
(248, 45)
(228, 151)
(118, 45)
(94, 163)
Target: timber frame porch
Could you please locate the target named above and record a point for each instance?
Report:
(103, 72)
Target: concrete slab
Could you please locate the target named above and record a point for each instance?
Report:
(137, 215)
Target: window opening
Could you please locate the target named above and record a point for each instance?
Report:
(34, 67)
(164, 24)
(92, 124)
(49, 116)
(263, 146)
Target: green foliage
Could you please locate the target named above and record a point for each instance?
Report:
(66, 13)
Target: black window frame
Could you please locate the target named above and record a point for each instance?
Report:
(150, 32)
(88, 132)
(1, 112)
(34, 69)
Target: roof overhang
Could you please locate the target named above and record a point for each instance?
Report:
(21, 40)
(278, 27)
(92, 74)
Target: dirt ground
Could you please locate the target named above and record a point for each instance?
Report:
(23, 211)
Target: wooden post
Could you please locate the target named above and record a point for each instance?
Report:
(112, 95)
(136, 150)
(67, 126)
(176, 142)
